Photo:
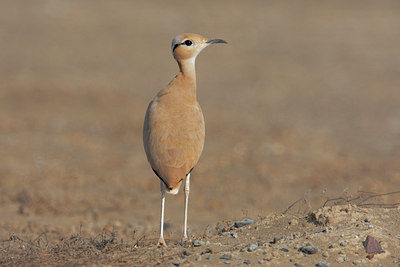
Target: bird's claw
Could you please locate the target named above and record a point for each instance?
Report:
(161, 243)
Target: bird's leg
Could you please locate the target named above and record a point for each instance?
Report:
(161, 241)
(186, 191)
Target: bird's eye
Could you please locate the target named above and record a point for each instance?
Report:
(188, 43)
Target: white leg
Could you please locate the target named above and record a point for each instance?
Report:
(161, 241)
(186, 191)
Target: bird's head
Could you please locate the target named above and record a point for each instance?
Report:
(188, 45)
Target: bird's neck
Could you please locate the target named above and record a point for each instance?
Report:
(188, 70)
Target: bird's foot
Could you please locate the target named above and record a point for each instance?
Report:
(161, 243)
(185, 241)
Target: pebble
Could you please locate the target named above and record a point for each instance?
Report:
(367, 219)
(276, 239)
(209, 257)
(179, 262)
(198, 243)
(246, 262)
(371, 226)
(284, 249)
(291, 260)
(298, 264)
(206, 251)
(325, 254)
(242, 250)
(226, 257)
(308, 249)
(340, 259)
(252, 247)
(342, 244)
(322, 263)
(243, 223)
(227, 262)
(261, 261)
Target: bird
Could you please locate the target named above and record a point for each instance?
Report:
(173, 129)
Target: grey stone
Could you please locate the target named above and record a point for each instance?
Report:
(308, 249)
(322, 263)
(226, 257)
(252, 247)
(243, 223)
(198, 243)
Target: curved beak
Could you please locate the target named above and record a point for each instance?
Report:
(214, 41)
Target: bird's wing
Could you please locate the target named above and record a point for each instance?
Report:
(173, 140)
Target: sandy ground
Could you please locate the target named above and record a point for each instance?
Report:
(302, 104)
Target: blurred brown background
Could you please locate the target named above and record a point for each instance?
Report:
(304, 101)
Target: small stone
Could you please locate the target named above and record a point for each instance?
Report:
(242, 250)
(186, 253)
(261, 261)
(340, 259)
(308, 249)
(342, 244)
(325, 254)
(226, 257)
(243, 223)
(252, 247)
(291, 260)
(276, 239)
(234, 234)
(367, 219)
(371, 226)
(225, 233)
(264, 252)
(298, 264)
(284, 249)
(246, 262)
(179, 262)
(372, 246)
(209, 257)
(227, 262)
(198, 243)
(322, 263)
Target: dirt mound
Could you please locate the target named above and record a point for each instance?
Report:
(329, 235)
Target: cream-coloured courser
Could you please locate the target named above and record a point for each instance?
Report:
(173, 131)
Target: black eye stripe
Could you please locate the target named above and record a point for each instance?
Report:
(175, 46)
(187, 43)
